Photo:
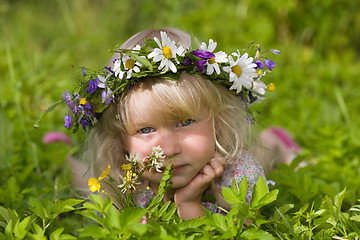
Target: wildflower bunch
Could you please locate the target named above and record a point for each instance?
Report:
(242, 72)
(133, 170)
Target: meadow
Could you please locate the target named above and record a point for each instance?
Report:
(44, 44)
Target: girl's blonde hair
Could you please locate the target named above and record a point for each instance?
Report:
(188, 97)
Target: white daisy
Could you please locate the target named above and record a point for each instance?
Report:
(165, 53)
(102, 80)
(242, 71)
(213, 63)
(130, 65)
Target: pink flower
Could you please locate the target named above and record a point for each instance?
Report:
(55, 136)
(144, 220)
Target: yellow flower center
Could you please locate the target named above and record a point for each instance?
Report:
(211, 61)
(130, 63)
(167, 52)
(237, 70)
(271, 87)
(82, 101)
(129, 176)
(258, 71)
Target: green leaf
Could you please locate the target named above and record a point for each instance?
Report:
(283, 209)
(151, 43)
(7, 215)
(131, 215)
(267, 199)
(20, 228)
(243, 188)
(37, 207)
(92, 231)
(339, 198)
(64, 206)
(260, 190)
(257, 234)
(141, 60)
(55, 235)
(112, 218)
(230, 196)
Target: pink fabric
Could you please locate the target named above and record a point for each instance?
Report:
(51, 137)
(285, 138)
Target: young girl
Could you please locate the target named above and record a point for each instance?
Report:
(192, 103)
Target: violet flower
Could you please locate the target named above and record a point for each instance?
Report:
(83, 71)
(203, 54)
(67, 98)
(84, 123)
(200, 65)
(187, 61)
(270, 64)
(104, 95)
(259, 63)
(275, 51)
(92, 85)
(67, 121)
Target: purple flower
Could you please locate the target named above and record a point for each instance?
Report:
(104, 95)
(67, 98)
(203, 54)
(200, 65)
(275, 51)
(187, 61)
(92, 85)
(259, 63)
(251, 97)
(67, 121)
(84, 123)
(270, 64)
(83, 71)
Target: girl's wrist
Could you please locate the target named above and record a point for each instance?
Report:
(191, 210)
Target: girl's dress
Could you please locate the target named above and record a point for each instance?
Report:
(241, 166)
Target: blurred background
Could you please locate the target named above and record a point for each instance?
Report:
(316, 76)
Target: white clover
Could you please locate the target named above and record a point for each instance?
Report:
(165, 53)
(156, 159)
(213, 63)
(241, 72)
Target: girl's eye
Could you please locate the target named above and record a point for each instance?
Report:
(146, 130)
(185, 123)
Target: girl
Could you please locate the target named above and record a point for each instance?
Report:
(200, 120)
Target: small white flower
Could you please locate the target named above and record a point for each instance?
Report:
(242, 71)
(129, 64)
(213, 63)
(102, 80)
(259, 86)
(165, 53)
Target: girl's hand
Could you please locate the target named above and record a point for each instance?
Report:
(188, 198)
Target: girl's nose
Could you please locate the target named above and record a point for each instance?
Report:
(170, 143)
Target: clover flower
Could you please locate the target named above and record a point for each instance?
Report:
(242, 71)
(155, 159)
(166, 52)
(213, 62)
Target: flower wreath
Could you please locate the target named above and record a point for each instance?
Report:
(167, 59)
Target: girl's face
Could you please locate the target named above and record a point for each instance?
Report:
(190, 143)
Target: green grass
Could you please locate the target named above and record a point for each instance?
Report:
(316, 78)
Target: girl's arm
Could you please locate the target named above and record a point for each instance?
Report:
(188, 198)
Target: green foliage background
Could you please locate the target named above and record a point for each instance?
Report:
(316, 78)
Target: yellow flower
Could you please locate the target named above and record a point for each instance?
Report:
(105, 173)
(129, 176)
(126, 167)
(271, 87)
(94, 184)
(82, 101)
